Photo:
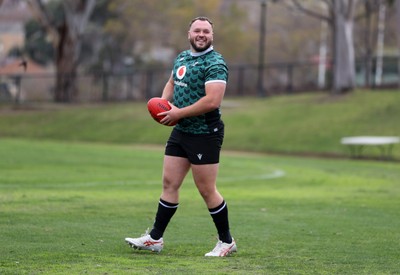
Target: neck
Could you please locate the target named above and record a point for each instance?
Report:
(193, 53)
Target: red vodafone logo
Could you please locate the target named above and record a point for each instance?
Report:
(180, 73)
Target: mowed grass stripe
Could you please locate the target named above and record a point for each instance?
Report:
(66, 207)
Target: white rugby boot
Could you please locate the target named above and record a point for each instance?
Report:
(222, 249)
(146, 242)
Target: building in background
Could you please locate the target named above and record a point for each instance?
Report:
(13, 15)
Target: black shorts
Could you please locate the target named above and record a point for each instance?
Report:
(198, 149)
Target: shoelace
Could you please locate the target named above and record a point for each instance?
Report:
(146, 233)
(219, 243)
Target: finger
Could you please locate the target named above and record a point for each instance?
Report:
(164, 120)
(163, 113)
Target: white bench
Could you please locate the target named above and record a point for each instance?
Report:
(356, 144)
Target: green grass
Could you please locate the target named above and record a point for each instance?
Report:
(314, 122)
(65, 208)
(76, 179)
(298, 124)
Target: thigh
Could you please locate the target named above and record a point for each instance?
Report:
(174, 171)
(205, 174)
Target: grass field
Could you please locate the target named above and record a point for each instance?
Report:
(310, 123)
(76, 179)
(65, 208)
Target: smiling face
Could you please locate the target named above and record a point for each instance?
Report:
(200, 35)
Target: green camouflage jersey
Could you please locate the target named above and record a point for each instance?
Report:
(191, 72)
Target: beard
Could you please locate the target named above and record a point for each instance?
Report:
(197, 48)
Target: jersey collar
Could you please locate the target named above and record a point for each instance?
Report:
(196, 54)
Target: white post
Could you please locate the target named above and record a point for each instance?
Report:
(322, 55)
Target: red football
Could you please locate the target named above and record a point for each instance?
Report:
(158, 105)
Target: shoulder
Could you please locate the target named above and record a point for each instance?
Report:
(216, 68)
(216, 57)
(182, 55)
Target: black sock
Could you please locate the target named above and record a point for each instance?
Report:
(220, 218)
(164, 214)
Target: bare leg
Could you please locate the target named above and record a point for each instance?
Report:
(174, 172)
(205, 177)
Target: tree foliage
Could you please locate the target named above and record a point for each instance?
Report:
(37, 47)
(144, 26)
(152, 32)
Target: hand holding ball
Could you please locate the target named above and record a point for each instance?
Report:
(158, 105)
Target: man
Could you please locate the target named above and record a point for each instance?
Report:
(196, 88)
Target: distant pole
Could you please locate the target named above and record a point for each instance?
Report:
(398, 39)
(368, 51)
(261, 49)
(380, 42)
(322, 55)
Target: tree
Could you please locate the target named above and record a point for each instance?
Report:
(368, 6)
(66, 37)
(376, 7)
(143, 27)
(344, 62)
(340, 18)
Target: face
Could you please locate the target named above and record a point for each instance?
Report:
(200, 35)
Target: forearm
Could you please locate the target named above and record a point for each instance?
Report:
(168, 90)
(211, 101)
(202, 106)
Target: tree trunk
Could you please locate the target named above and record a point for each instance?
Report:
(66, 40)
(344, 63)
(66, 64)
(341, 20)
(77, 13)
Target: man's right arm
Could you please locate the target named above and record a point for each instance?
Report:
(168, 90)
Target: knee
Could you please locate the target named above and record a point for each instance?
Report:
(170, 185)
(208, 193)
